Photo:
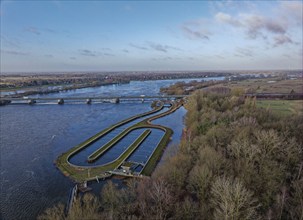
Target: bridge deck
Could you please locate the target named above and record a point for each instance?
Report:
(95, 97)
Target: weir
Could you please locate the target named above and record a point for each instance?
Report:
(86, 100)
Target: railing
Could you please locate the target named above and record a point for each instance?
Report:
(94, 97)
(87, 100)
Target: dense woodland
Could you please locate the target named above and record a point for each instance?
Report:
(235, 161)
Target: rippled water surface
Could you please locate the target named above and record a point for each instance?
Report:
(134, 88)
(32, 137)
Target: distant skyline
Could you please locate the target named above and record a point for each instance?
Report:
(54, 36)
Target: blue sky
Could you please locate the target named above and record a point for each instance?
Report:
(150, 35)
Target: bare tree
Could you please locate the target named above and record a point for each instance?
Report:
(162, 198)
(110, 199)
(86, 207)
(54, 213)
(232, 201)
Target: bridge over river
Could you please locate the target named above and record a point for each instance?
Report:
(87, 100)
(118, 99)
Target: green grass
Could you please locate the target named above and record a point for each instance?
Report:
(155, 157)
(282, 107)
(263, 85)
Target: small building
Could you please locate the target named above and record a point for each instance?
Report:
(128, 167)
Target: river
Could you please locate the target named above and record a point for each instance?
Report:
(32, 137)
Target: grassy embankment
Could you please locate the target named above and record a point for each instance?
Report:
(80, 173)
(157, 153)
(267, 85)
(273, 85)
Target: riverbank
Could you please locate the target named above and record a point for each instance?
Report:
(267, 85)
(31, 84)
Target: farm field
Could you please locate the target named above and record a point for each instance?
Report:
(269, 85)
(282, 107)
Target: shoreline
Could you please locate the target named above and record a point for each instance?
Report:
(18, 86)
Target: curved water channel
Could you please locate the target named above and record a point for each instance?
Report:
(32, 137)
(140, 155)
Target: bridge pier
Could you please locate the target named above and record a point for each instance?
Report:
(117, 100)
(105, 99)
(88, 101)
(5, 102)
(31, 101)
(60, 101)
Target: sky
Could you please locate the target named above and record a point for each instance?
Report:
(55, 36)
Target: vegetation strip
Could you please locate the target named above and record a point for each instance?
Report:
(157, 153)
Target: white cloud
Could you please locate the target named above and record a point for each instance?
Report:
(12, 52)
(226, 18)
(258, 26)
(282, 39)
(292, 10)
(195, 33)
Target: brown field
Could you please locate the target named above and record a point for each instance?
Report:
(282, 107)
(272, 85)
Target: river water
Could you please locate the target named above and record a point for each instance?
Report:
(32, 137)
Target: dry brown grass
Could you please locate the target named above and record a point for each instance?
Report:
(272, 85)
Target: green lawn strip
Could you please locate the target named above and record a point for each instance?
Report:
(174, 107)
(86, 143)
(157, 153)
(81, 173)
